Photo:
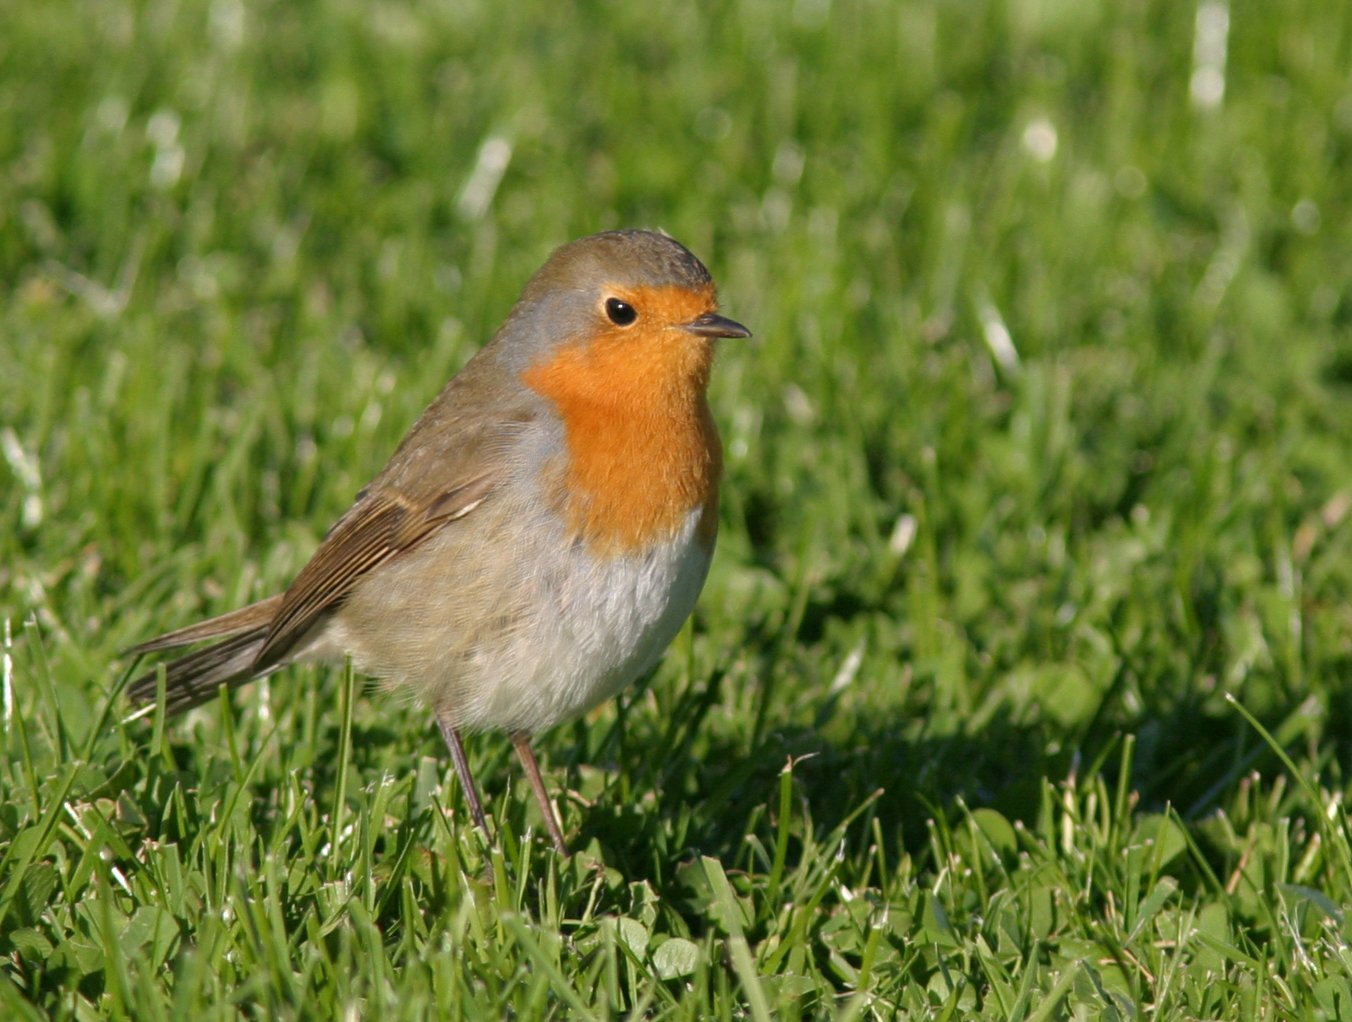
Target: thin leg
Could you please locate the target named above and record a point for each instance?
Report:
(527, 757)
(476, 809)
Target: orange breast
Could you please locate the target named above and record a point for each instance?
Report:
(642, 447)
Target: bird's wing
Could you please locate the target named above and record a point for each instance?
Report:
(381, 525)
(449, 463)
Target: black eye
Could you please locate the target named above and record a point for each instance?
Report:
(620, 313)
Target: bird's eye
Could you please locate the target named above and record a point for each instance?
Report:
(620, 313)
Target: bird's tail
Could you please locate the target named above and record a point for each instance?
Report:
(195, 677)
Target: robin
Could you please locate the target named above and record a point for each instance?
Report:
(541, 533)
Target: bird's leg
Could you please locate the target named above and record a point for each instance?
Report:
(452, 736)
(523, 751)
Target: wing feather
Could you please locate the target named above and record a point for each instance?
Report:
(379, 527)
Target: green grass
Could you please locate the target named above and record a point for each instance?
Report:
(1020, 688)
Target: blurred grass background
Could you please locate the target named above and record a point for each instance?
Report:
(1037, 465)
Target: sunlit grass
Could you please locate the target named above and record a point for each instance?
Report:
(1018, 690)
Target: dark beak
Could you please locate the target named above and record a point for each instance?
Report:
(713, 325)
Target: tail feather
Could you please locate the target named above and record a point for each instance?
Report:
(195, 677)
(243, 620)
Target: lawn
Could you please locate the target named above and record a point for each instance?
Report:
(1020, 686)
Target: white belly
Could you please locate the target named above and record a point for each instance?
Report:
(523, 641)
(607, 623)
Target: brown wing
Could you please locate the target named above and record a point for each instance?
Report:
(378, 527)
(445, 467)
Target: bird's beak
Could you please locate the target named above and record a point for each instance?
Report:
(713, 325)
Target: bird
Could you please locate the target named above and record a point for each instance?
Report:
(539, 536)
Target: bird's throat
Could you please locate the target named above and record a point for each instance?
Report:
(642, 450)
